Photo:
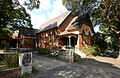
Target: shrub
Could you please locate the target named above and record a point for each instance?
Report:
(97, 51)
(43, 51)
(76, 57)
(11, 60)
(92, 50)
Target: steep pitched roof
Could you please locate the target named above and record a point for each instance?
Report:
(78, 21)
(55, 22)
(71, 25)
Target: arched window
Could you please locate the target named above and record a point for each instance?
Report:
(83, 35)
(53, 34)
(89, 37)
(86, 29)
(56, 33)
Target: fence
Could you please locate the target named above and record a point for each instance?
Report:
(10, 73)
(25, 63)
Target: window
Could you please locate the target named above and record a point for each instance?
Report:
(46, 34)
(83, 35)
(56, 32)
(89, 38)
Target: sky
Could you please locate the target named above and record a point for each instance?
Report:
(48, 10)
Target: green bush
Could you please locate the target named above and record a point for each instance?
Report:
(76, 57)
(43, 51)
(11, 60)
(92, 50)
(97, 51)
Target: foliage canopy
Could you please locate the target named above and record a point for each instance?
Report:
(13, 15)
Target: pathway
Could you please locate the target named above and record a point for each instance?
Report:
(96, 67)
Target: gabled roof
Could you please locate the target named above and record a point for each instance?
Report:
(78, 21)
(55, 22)
(71, 25)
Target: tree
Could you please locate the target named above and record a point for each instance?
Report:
(105, 13)
(13, 15)
(80, 7)
(32, 4)
(99, 40)
(5, 33)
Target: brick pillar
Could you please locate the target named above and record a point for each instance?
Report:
(80, 42)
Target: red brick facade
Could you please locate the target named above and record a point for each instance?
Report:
(59, 35)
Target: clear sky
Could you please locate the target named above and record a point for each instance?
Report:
(48, 10)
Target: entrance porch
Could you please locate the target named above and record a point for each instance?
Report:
(71, 41)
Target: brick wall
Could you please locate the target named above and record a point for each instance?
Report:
(10, 73)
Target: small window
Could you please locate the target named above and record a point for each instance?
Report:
(51, 33)
(83, 35)
(46, 34)
(56, 32)
(89, 38)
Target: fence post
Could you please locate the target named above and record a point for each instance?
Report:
(25, 60)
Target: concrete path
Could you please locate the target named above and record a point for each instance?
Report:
(97, 67)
